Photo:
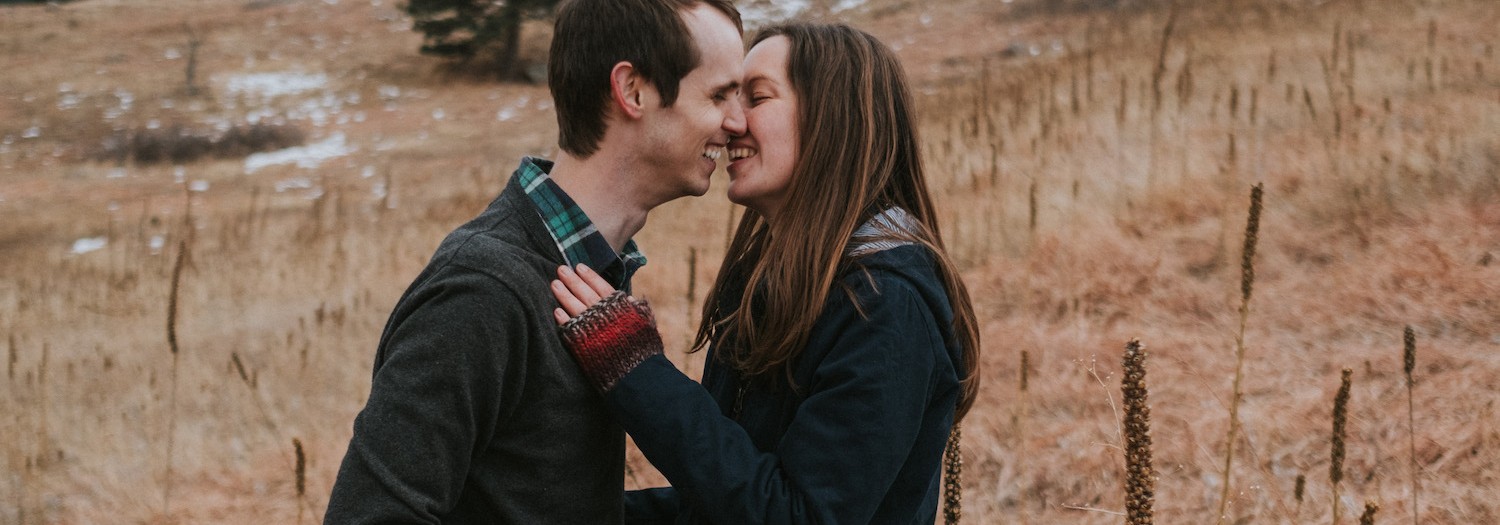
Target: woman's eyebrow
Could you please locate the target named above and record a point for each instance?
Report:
(752, 81)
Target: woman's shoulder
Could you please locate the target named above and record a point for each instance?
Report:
(909, 264)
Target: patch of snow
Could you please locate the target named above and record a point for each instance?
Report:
(845, 5)
(309, 156)
(156, 244)
(32, 132)
(762, 13)
(274, 84)
(88, 244)
(294, 183)
(69, 99)
(199, 186)
(126, 99)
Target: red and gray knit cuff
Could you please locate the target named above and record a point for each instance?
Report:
(611, 338)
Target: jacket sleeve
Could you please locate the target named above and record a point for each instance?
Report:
(435, 399)
(846, 443)
(656, 506)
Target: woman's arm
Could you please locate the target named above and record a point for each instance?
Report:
(844, 447)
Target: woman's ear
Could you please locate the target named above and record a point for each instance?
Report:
(625, 87)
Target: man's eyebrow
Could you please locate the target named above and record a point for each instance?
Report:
(727, 86)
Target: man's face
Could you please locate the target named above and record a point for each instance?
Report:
(683, 142)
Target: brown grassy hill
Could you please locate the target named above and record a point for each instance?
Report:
(1093, 167)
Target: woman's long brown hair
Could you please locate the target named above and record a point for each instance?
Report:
(859, 154)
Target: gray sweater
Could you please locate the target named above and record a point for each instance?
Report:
(477, 413)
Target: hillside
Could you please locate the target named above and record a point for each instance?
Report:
(1094, 168)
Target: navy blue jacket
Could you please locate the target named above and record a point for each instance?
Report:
(858, 440)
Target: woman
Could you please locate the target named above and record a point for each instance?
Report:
(830, 391)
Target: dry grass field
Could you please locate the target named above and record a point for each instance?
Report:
(169, 329)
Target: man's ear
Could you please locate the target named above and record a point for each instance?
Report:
(626, 88)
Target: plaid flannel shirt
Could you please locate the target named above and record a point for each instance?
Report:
(576, 236)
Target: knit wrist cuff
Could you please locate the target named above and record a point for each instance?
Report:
(611, 338)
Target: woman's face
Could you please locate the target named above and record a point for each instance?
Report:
(761, 160)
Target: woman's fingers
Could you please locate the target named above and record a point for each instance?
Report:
(595, 281)
(581, 290)
(560, 316)
(570, 303)
(578, 290)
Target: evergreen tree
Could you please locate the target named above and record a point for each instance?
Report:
(466, 30)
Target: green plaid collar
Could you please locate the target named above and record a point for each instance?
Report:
(576, 237)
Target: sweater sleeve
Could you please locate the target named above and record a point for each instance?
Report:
(845, 445)
(449, 357)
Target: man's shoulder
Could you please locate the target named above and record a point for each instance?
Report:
(507, 241)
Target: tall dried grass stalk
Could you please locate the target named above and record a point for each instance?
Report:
(1340, 418)
(239, 366)
(1021, 418)
(190, 82)
(301, 467)
(1140, 483)
(301, 476)
(172, 302)
(43, 431)
(691, 297)
(1298, 490)
(1160, 70)
(1031, 209)
(1025, 369)
(10, 369)
(953, 471)
(1409, 363)
(172, 297)
(1247, 285)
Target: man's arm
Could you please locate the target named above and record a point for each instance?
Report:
(435, 401)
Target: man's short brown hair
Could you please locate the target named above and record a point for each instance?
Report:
(591, 36)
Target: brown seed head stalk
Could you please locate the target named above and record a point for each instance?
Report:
(1340, 417)
(1252, 236)
(953, 471)
(1368, 518)
(301, 468)
(1140, 490)
(1409, 354)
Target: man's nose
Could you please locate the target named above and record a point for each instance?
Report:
(734, 118)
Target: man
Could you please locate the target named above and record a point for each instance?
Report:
(477, 413)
